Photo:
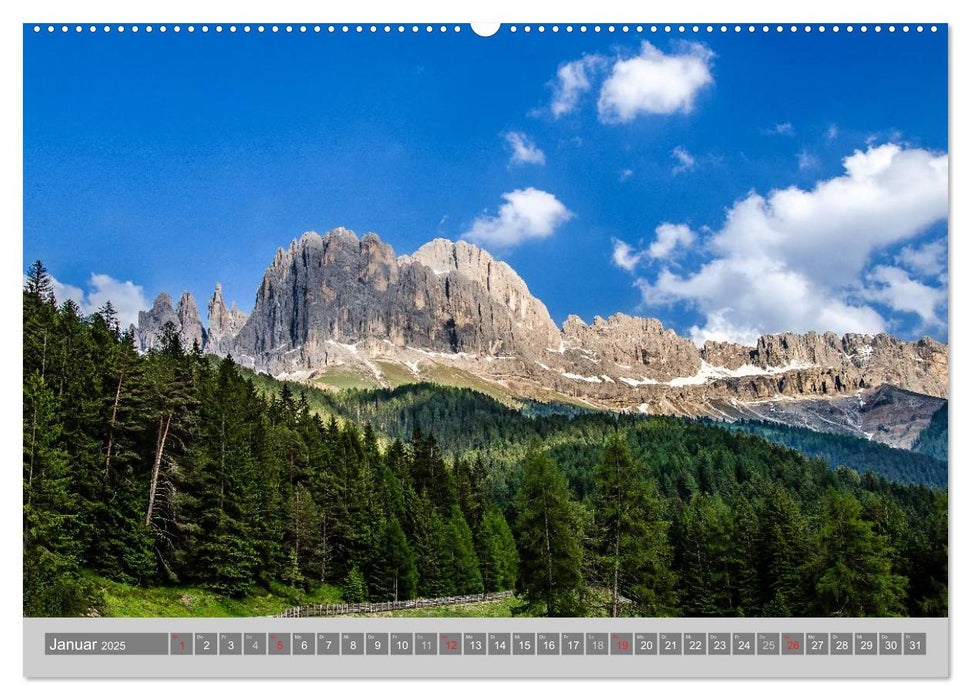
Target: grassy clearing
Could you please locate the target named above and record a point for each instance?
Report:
(344, 378)
(460, 378)
(125, 600)
(395, 374)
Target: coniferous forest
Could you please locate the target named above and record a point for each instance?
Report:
(174, 468)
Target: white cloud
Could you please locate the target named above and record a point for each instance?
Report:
(626, 174)
(573, 79)
(806, 160)
(668, 238)
(127, 298)
(63, 292)
(625, 256)
(797, 260)
(524, 150)
(928, 260)
(832, 132)
(783, 129)
(895, 288)
(686, 161)
(526, 214)
(655, 83)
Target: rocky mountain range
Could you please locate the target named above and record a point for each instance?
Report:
(338, 310)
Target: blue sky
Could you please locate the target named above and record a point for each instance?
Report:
(728, 184)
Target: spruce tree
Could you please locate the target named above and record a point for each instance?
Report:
(466, 577)
(432, 557)
(549, 545)
(786, 554)
(706, 558)
(855, 578)
(395, 576)
(355, 587)
(52, 586)
(632, 546)
(497, 552)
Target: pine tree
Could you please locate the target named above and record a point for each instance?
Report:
(745, 559)
(855, 564)
(430, 473)
(786, 553)
(464, 565)
(431, 551)
(497, 552)
(52, 586)
(38, 285)
(549, 546)
(355, 587)
(631, 537)
(707, 537)
(395, 576)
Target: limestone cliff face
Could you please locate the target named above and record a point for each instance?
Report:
(184, 319)
(342, 300)
(531, 322)
(191, 332)
(920, 366)
(326, 293)
(224, 324)
(152, 322)
(629, 346)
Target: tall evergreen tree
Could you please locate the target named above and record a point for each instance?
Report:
(786, 555)
(856, 579)
(464, 565)
(707, 538)
(395, 576)
(549, 545)
(631, 536)
(431, 540)
(497, 552)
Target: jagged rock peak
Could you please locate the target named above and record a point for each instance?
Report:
(163, 303)
(151, 322)
(501, 282)
(636, 345)
(224, 324)
(191, 331)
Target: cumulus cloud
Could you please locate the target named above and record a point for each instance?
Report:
(572, 80)
(526, 214)
(898, 290)
(800, 260)
(928, 260)
(524, 150)
(654, 82)
(127, 298)
(685, 161)
(667, 238)
(625, 255)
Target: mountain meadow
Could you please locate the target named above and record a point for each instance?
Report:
(171, 482)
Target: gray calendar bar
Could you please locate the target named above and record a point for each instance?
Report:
(533, 647)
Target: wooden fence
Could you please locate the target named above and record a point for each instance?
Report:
(329, 609)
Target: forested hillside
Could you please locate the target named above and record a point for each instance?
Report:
(168, 468)
(933, 441)
(922, 466)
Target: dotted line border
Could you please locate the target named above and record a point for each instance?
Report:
(445, 29)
